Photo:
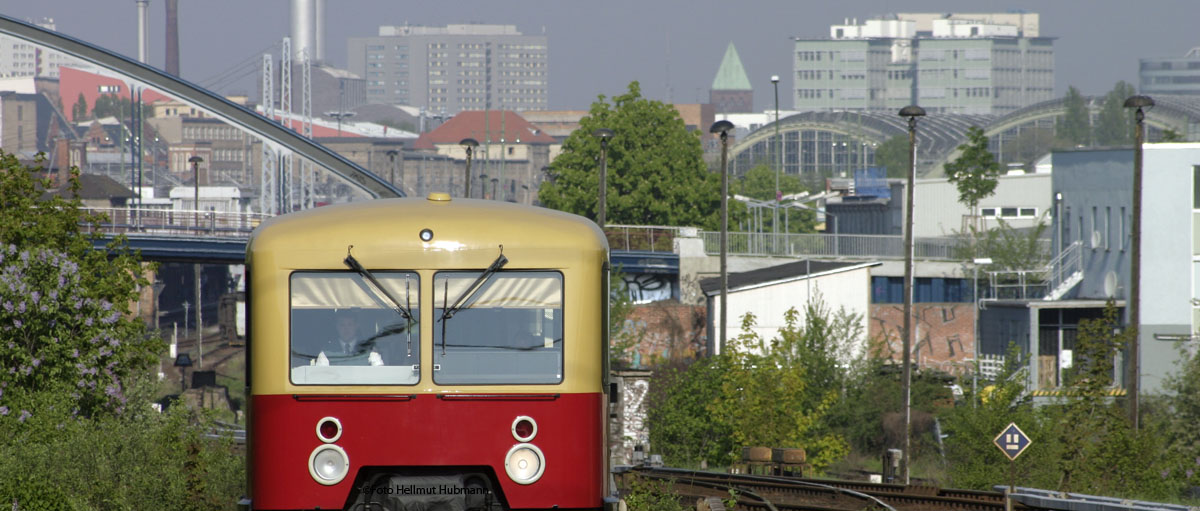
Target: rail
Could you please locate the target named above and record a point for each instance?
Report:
(1062, 271)
(177, 221)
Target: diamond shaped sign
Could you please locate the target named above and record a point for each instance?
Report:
(1012, 441)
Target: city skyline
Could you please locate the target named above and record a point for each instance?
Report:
(672, 47)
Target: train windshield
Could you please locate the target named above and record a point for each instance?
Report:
(510, 331)
(344, 331)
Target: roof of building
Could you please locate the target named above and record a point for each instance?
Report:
(731, 75)
(94, 186)
(500, 125)
(778, 274)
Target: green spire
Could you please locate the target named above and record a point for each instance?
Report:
(731, 75)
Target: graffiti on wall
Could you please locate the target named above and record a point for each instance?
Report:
(649, 287)
(627, 422)
(943, 334)
(663, 331)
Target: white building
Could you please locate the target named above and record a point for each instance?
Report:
(768, 293)
(1020, 200)
(19, 58)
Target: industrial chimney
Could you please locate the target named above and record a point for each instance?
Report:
(319, 31)
(143, 31)
(304, 28)
(173, 37)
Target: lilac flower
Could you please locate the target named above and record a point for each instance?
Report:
(87, 322)
(104, 304)
(104, 352)
(17, 323)
(111, 391)
(35, 296)
(37, 362)
(75, 353)
(81, 383)
(53, 294)
(114, 342)
(21, 308)
(110, 319)
(24, 415)
(3, 410)
(8, 306)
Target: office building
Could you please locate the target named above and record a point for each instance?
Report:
(1172, 75)
(445, 70)
(984, 64)
(21, 58)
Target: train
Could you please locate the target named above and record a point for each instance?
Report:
(427, 353)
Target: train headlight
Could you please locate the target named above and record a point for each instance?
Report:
(524, 428)
(328, 464)
(524, 463)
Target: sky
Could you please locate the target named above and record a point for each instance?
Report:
(672, 47)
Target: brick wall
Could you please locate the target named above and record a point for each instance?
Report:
(943, 333)
(664, 330)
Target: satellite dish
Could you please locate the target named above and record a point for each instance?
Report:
(1095, 239)
(1110, 284)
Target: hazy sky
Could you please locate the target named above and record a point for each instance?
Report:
(673, 47)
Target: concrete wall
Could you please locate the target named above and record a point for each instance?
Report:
(1096, 202)
(664, 331)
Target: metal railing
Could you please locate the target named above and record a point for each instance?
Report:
(181, 222)
(654, 238)
(1040, 282)
(829, 245)
(1064, 265)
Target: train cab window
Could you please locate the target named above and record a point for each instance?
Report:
(344, 331)
(509, 331)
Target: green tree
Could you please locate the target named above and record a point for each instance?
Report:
(681, 427)
(1008, 248)
(759, 183)
(975, 172)
(1171, 135)
(67, 328)
(79, 111)
(656, 172)
(1114, 125)
(893, 156)
(1076, 126)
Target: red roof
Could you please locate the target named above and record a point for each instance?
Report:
(472, 124)
(72, 82)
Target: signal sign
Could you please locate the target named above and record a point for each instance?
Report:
(1012, 441)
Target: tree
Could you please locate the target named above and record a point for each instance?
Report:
(759, 183)
(893, 156)
(66, 328)
(1171, 135)
(656, 172)
(1076, 127)
(976, 171)
(79, 110)
(1115, 122)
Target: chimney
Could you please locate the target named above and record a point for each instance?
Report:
(143, 31)
(173, 37)
(319, 31)
(303, 39)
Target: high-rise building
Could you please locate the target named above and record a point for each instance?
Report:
(20, 58)
(731, 91)
(449, 69)
(1172, 75)
(952, 63)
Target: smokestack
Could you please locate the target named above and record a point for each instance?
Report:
(143, 31)
(320, 31)
(303, 39)
(173, 37)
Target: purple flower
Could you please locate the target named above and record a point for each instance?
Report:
(24, 415)
(3, 410)
(75, 353)
(110, 319)
(104, 352)
(81, 383)
(114, 342)
(35, 296)
(8, 306)
(87, 322)
(21, 308)
(1190, 473)
(37, 362)
(111, 391)
(104, 304)
(17, 323)
(53, 294)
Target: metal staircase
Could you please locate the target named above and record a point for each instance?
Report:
(1049, 282)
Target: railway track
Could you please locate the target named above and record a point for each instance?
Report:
(787, 493)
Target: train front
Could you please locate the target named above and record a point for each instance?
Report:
(427, 354)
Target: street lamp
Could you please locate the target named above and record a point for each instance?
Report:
(1141, 103)
(604, 134)
(778, 149)
(183, 361)
(911, 112)
(392, 158)
(495, 181)
(469, 144)
(195, 161)
(978, 261)
(483, 181)
(722, 128)
(339, 115)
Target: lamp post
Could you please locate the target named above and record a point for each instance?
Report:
(469, 144)
(195, 161)
(978, 261)
(495, 181)
(722, 128)
(1141, 103)
(910, 112)
(392, 158)
(483, 181)
(604, 134)
(339, 115)
(779, 150)
(183, 361)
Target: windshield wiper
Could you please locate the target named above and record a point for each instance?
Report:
(466, 295)
(354, 265)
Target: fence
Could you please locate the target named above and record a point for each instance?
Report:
(829, 245)
(641, 237)
(177, 221)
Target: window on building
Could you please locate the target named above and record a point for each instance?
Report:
(1121, 219)
(1196, 187)
(1107, 227)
